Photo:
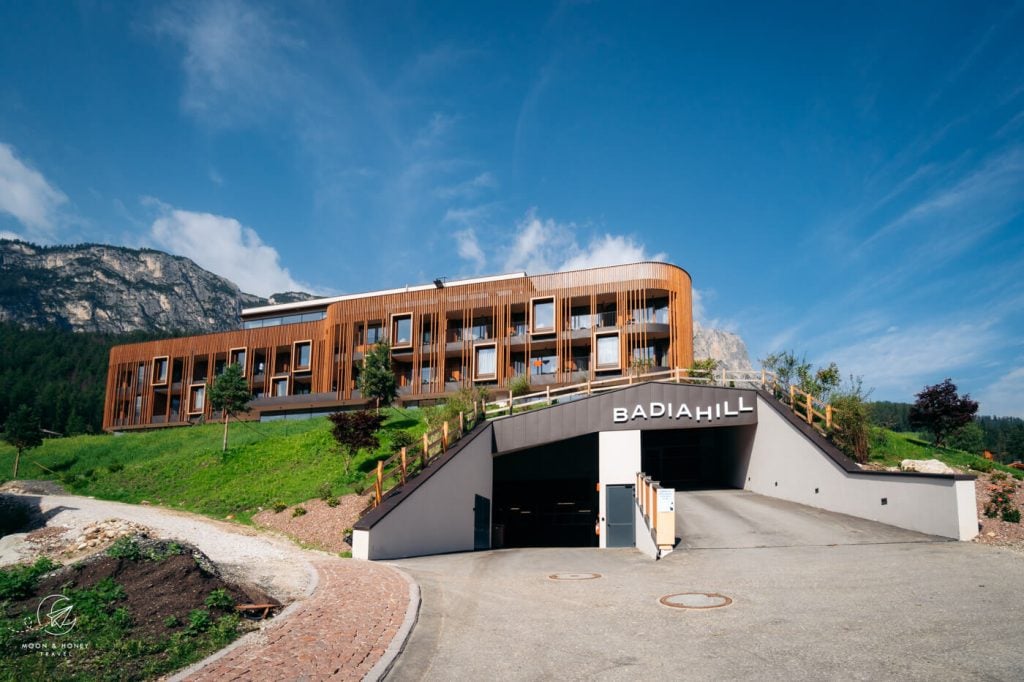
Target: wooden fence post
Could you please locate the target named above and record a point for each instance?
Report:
(426, 448)
(444, 437)
(763, 377)
(792, 397)
(828, 416)
(405, 466)
(723, 376)
(810, 410)
(462, 424)
(547, 389)
(380, 481)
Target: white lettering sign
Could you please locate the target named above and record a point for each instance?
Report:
(655, 410)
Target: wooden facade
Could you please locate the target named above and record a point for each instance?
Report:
(548, 327)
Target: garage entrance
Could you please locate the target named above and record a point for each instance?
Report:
(697, 459)
(547, 496)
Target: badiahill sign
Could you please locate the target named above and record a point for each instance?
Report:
(724, 409)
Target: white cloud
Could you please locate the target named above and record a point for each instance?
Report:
(27, 196)
(901, 360)
(1003, 397)
(610, 249)
(470, 188)
(539, 245)
(469, 248)
(226, 247)
(235, 57)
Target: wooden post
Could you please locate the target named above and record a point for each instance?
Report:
(762, 378)
(444, 437)
(723, 376)
(426, 448)
(405, 467)
(828, 416)
(547, 389)
(462, 424)
(792, 397)
(588, 385)
(510, 402)
(810, 410)
(380, 480)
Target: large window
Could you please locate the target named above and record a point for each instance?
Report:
(160, 370)
(480, 329)
(581, 317)
(486, 362)
(543, 316)
(374, 334)
(543, 362)
(607, 351)
(236, 356)
(656, 312)
(285, 319)
(303, 354)
(426, 374)
(197, 398)
(279, 387)
(401, 330)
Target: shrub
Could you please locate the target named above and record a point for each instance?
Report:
(519, 386)
(332, 501)
(1010, 515)
(279, 507)
(402, 439)
(19, 581)
(198, 621)
(298, 511)
(172, 622)
(324, 491)
(220, 599)
(125, 548)
(850, 419)
(1000, 502)
(982, 465)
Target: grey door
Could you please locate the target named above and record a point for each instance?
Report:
(481, 522)
(619, 516)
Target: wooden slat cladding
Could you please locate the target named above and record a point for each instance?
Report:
(336, 347)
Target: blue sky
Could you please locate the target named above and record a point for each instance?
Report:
(842, 179)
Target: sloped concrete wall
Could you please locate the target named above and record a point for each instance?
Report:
(436, 516)
(785, 463)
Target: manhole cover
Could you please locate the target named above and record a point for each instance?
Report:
(696, 600)
(573, 576)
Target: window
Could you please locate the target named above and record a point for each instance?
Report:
(303, 355)
(237, 357)
(285, 319)
(197, 398)
(425, 336)
(426, 374)
(279, 387)
(543, 319)
(160, 370)
(401, 330)
(374, 333)
(486, 362)
(606, 315)
(608, 351)
(138, 406)
(141, 378)
(480, 330)
(518, 324)
(656, 311)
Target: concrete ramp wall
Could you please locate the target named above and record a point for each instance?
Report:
(433, 513)
(789, 461)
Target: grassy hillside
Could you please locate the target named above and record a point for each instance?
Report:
(889, 448)
(284, 461)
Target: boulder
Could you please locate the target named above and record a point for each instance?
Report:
(926, 466)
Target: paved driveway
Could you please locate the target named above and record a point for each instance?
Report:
(882, 604)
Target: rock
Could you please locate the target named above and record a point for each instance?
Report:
(111, 533)
(926, 466)
(229, 517)
(82, 546)
(991, 534)
(145, 502)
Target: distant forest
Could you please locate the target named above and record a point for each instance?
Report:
(58, 373)
(1002, 436)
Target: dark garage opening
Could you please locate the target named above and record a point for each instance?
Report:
(547, 496)
(698, 459)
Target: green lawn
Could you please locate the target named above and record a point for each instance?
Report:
(283, 461)
(889, 448)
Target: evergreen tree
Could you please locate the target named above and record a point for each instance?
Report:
(377, 380)
(22, 431)
(229, 393)
(355, 431)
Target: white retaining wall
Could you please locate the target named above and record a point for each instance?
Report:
(784, 463)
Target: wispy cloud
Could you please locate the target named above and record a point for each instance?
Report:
(469, 249)
(28, 197)
(1003, 396)
(224, 246)
(468, 189)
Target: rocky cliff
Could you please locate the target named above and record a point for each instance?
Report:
(726, 347)
(113, 289)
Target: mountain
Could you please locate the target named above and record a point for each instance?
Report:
(114, 290)
(726, 347)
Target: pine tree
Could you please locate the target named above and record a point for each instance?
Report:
(22, 431)
(377, 380)
(229, 394)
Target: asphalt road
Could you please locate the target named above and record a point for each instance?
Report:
(816, 596)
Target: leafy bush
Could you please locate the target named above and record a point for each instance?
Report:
(279, 507)
(220, 599)
(298, 511)
(982, 465)
(332, 501)
(19, 581)
(324, 491)
(198, 621)
(125, 548)
(850, 418)
(519, 386)
(1000, 501)
(402, 439)
(172, 622)
(1010, 515)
